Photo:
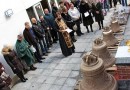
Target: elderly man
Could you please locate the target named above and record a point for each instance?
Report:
(30, 37)
(47, 29)
(51, 21)
(24, 52)
(40, 34)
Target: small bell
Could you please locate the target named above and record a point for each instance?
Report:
(94, 75)
(115, 27)
(99, 48)
(108, 37)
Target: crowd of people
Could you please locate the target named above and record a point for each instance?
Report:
(35, 42)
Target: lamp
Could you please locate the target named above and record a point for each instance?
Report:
(9, 13)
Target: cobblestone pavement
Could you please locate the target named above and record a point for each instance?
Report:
(58, 72)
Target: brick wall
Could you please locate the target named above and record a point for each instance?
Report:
(122, 73)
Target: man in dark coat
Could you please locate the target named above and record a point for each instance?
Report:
(98, 14)
(40, 35)
(51, 21)
(32, 40)
(47, 29)
(87, 20)
(3, 85)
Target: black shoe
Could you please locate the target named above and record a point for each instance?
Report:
(92, 30)
(33, 68)
(45, 54)
(42, 58)
(25, 70)
(48, 52)
(23, 80)
(99, 28)
(82, 33)
(54, 42)
(79, 35)
(40, 61)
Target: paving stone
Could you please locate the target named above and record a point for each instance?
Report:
(65, 73)
(47, 72)
(56, 73)
(74, 74)
(60, 81)
(22, 86)
(41, 79)
(45, 87)
(56, 60)
(67, 88)
(37, 71)
(75, 60)
(55, 87)
(50, 80)
(64, 60)
(35, 86)
(41, 65)
(69, 66)
(70, 82)
(76, 67)
(52, 65)
(60, 66)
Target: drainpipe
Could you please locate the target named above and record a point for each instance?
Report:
(56, 3)
(50, 8)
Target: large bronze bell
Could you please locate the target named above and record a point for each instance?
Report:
(115, 27)
(94, 75)
(99, 48)
(108, 37)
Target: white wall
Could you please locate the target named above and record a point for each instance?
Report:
(9, 28)
(29, 3)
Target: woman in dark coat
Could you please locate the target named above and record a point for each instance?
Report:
(69, 22)
(3, 85)
(98, 14)
(14, 62)
(87, 20)
(67, 46)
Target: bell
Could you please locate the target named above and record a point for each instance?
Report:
(122, 18)
(94, 75)
(115, 25)
(99, 48)
(108, 37)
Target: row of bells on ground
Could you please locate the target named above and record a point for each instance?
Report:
(120, 16)
(94, 64)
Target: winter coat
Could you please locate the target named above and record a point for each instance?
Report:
(83, 9)
(54, 10)
(12, 60)
(3, 85)
(98, 16)
(37, 31)
(28, 37)
(67, 18)
(50, 20)
(24, 52)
